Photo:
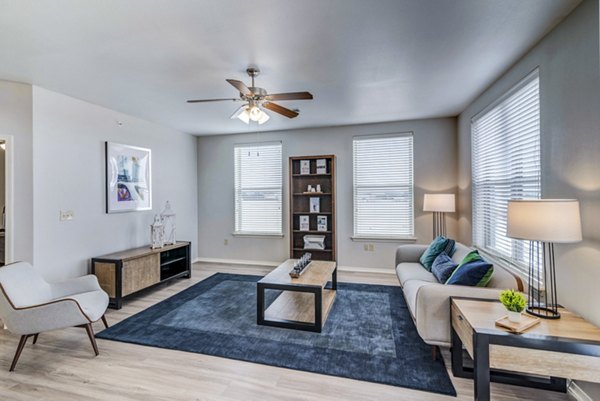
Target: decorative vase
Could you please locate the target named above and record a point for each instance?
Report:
(514, 317)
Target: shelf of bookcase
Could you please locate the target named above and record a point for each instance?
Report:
(312, 194)
(324, 213)
(312, 250)
(312, 175)
(312, 232)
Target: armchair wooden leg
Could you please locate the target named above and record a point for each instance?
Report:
(90, 332)
(35, 337)
(434, 352)
(105, 322)
(20, 347)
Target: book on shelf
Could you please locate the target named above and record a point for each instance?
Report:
(321, 223)
(321, 166)
(304, 223)
(315, 205)
(304, 167)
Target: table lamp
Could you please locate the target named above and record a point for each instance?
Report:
(544, 222)
(439, 204)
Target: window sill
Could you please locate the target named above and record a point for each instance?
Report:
(256, 235)
(360, 238)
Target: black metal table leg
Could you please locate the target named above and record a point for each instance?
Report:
(456, 352)
(260, 304)
(481, 367)
(318, 310)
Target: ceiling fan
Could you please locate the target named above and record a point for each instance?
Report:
(256, 99)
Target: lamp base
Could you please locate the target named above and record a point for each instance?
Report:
(543, 312)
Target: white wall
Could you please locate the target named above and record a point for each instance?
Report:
(434, 169)
(568, 59)
(69, 137)
(16, 121)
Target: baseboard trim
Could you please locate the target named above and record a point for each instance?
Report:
(237, 262)
(265, 263)
(577, 392)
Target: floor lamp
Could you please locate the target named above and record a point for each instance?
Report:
(439, 204)
(544, 222)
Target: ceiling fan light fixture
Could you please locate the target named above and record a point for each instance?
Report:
(263, 118)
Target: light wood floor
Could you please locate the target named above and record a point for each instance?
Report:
(61, 366)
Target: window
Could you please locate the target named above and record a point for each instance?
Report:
(383, 186)
(258, 189)
(506, 161)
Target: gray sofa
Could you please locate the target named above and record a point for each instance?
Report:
(429, 301)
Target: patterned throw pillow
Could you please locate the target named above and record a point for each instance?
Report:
(436, 247)
(473, 270)
(443, 267)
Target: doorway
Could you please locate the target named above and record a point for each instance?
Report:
(6, 199)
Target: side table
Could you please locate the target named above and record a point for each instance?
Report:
(542, 357)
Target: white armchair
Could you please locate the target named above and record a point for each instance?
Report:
(29, 305)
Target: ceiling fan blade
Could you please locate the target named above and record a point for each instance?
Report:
(210, 100)
(240, 86)
(280, 109)
(290, 96)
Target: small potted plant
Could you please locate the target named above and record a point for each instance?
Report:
(515, 303)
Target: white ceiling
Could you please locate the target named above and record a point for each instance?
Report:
(364, 61)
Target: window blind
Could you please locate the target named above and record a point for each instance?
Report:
(506, 164)
(383, 186)
(258, 188)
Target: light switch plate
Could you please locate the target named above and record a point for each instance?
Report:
(66, 215)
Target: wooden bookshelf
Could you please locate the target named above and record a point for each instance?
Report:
(300, 206)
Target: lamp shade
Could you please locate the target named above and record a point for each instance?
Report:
(439, 203)
(547, 220)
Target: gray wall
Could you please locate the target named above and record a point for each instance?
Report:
(569, 63)
(16, 121)
(434, 169)
(69, 137)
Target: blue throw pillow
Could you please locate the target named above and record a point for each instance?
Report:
(435, 248)
(443, 267)
(472, 271)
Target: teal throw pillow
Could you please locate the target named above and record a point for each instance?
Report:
(436, 247)
(473, 271)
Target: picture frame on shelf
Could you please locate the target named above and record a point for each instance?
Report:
(304, 167)
(321, 166)
(304, 223)
(321, 223)
(315, 205)
(128, 178)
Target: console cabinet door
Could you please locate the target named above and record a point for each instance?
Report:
(140, 273)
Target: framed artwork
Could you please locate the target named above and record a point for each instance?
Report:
(128, 178)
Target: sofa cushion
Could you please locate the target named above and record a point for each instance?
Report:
(436, 247)
(472, 271)
(443, 267)
(413, 271)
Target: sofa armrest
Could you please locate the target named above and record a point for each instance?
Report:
(409, 253)
(432, 313)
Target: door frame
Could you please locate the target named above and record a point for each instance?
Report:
(9, 197)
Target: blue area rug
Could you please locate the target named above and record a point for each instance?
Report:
(369, 334)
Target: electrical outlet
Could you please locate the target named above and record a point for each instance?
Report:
(371, 248)
(66, 215)
(225, 241)
(366, 247)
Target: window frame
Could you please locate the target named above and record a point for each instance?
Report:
(257, 234)
(513, 264)
(385, 237)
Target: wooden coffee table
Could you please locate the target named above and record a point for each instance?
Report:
(305, 301)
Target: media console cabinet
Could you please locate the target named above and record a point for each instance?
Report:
(124, 273)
